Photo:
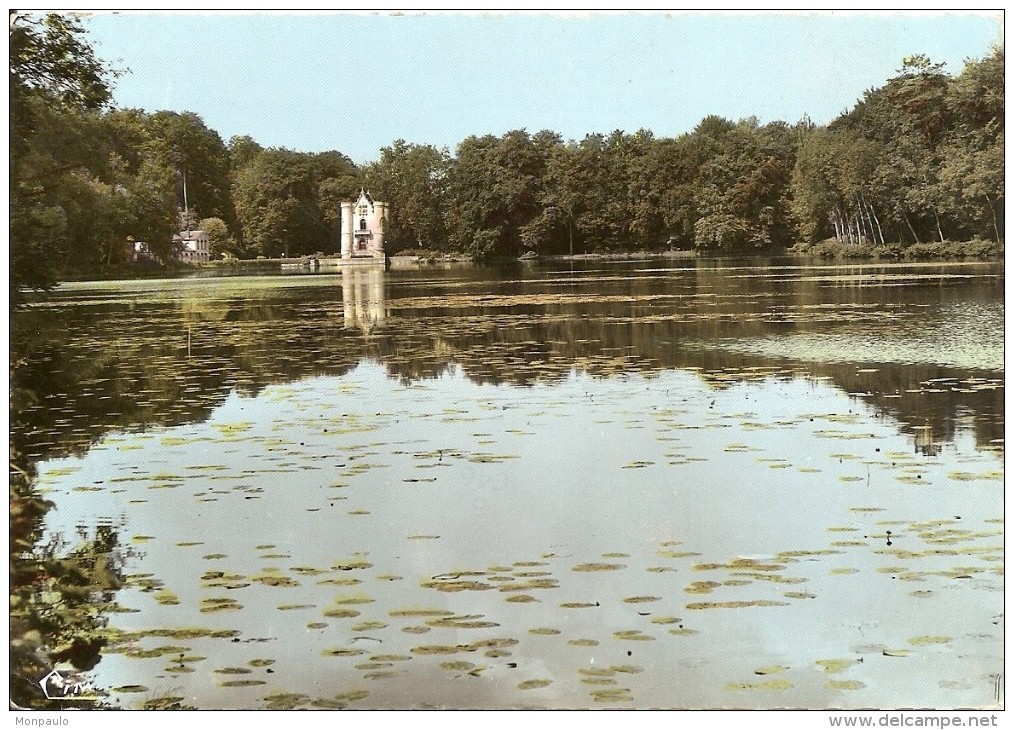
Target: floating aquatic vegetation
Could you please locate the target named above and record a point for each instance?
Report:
(583, 642)
(632, 635)
(846, 684)
(353, 696)
(213, 605)
(339, 612)
(924, 640)
(457, 666)
(461, 622)
(834, 666)
(339, 582)
(611, 695)
(285, 700)
(455, 586)
(353, 563)
(544, 631)
(735, 604)
(274, 580)
(232, 670)
(261, 662)
(530, 585)
(167, 597)
(351, 599)
(638, 464)
(169, 702)
(522, 598)
(306, 570)
(369, 626)
(641, 599)
(535, 683)
(342, 651)
(418, 612)
(138, 653)
(130, 689)
(677, 554)
(597, 567)
(193, 632)
(664, 620)
(440, 649)
(964, 476)
(702, 586)
(788, 554)
(369, 666)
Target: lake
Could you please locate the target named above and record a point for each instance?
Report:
(654, 484)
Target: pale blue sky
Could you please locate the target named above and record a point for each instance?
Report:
(357, 82)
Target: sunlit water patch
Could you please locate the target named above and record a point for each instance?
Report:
(967, 336)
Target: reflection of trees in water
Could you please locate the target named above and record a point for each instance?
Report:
(170, 364)
(59, 598)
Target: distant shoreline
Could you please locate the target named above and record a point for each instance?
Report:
(925, 253)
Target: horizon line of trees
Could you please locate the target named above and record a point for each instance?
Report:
(918, 159)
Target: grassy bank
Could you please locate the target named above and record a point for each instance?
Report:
(937, 250)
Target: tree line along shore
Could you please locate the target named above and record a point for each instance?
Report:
(913, 169)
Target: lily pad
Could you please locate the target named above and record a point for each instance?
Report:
(535, 683)
(835, 666)
(924, 640)
(597, 567)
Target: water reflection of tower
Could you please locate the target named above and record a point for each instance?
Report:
(924, 443)
(364, 300)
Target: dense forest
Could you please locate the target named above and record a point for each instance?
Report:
(915, 161)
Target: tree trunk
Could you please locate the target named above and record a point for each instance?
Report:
(909, 223)
(861, 202)
(992, 210)
(939, 230)
(880, 231)
(861, 217)
(843, 223)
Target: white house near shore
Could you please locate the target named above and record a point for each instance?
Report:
(191, 246)
(363, 226)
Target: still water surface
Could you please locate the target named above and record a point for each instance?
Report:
(589, 485)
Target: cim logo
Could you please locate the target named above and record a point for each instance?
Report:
(57, 686)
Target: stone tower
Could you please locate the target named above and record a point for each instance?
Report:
(363, 225)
